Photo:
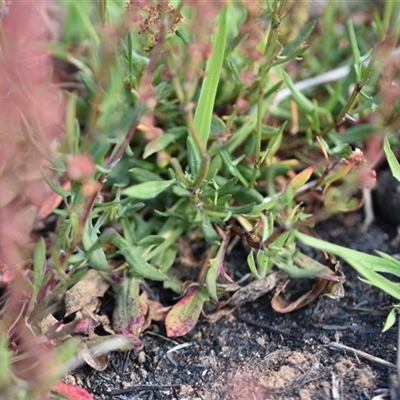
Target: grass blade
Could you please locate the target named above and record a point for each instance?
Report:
(204, 111)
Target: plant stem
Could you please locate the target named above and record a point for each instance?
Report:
(271, 51)
(353, 97)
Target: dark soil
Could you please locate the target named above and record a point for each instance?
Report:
(258, 354)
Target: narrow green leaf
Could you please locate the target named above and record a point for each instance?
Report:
(143, 175)
(274, 143)
(158, 144)
(390, 320)
(147, 190)
(354, 48)
(246, 209)
(305, 104)
(193, 156)
(151, 240)
(392, 160)
(95, 254)
(299, 39)
(54, 186)
(227, 187)
(39, 262)
(264, 262)
(209, 233)
(211, 279)
(292, 56)
(89, 83)
(362, 263)
(140, 268)
(204, 111)
(252, 264)
(216, 267)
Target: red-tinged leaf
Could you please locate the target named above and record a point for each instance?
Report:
(184, 315)
(72, 392)
(129, 312)
(301, 178)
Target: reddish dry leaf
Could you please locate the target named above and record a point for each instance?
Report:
(280, 304)
(72, 392)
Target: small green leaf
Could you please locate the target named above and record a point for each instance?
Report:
(274, 143)
(218, 127)
(305, 104)
(151, 240)
(147, 190)
(95, 254)
(227, 187)
(390, 320)
(192, 156)
(143, 175)
(158, 144)
(252, 264)
(248, 208)
(296, 54)
(211, 278)
(216, 267)
(354, 48)
(264, 262)
(39, 261)
(184, 315)
(88, 81)
(54, 186)
(209, 233)
(299, 39)
(180, 191)
(140, 268)
(392, 160)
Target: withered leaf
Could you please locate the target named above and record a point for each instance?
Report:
(280, 304)
(86, 293)
(257, 288)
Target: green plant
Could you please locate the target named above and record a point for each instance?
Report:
(178, 129)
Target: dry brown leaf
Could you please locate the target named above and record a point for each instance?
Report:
(280, 304)
(86, 293)
(335, 290)
(257, 288)
(217, 315)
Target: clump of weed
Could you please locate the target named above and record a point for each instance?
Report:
(165, 125)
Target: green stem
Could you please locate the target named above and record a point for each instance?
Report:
(353, 97)
(102, 10)
(271, 51)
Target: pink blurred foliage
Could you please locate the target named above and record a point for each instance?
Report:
(31, 122)
(31, 115)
